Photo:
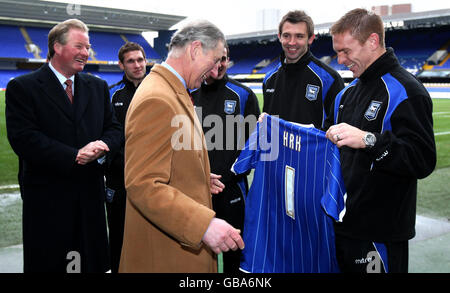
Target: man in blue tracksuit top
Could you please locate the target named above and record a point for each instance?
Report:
(228, 111)
(301, 88)
(383, 126)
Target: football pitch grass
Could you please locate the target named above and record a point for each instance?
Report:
(433, 191)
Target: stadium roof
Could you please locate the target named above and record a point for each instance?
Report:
(47, 14)
(425, 19)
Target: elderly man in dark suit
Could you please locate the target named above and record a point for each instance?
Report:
(61, 125)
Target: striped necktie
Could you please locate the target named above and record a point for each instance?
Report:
(69, 90)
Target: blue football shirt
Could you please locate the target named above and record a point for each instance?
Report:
(296, 194)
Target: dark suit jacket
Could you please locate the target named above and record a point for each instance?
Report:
(63, 202)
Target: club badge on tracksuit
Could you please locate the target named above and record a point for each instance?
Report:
(312, 91)
(372, 111)
(229, 106)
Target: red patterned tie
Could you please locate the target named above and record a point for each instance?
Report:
(69, 90)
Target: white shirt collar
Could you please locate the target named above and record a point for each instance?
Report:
(174, 72)
(62, 79)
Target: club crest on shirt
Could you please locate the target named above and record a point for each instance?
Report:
(229, 106)
(372, 111)
(312, 91)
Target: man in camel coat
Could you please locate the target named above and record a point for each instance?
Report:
(169, 224)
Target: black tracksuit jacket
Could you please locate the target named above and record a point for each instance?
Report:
(225, 97)
(381, 182)
(121, 95)
(301, 92)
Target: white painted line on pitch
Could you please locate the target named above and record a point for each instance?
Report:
(9, 186)
(442, 133)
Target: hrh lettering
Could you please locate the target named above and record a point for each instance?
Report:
(292, 141)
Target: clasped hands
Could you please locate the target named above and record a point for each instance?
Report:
(91, 152)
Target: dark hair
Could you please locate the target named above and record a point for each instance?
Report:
(297, 16)
(128, 47)
(58, 34)
(361, 23)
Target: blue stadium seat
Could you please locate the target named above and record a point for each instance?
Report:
(149, 51)
(246, 56)
(13, 43)
(446, 65)
(39, 36)
(105, 45)
(110, 77)
(7, 75)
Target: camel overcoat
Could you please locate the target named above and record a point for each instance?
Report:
(167, 177)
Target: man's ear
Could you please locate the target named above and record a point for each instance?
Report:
(195, 48)
(57, 47)
(311, 39)
(374, 41)
(121, 65)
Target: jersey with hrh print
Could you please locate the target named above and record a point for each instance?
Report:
(296, 194)
(301, 92)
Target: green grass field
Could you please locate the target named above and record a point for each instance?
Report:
(433, 191)
(8, 159)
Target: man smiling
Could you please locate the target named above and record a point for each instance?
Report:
(382, 122)
(170, 225)
(59, 122)
(301, 81)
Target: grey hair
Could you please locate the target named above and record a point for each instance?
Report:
(201, 30)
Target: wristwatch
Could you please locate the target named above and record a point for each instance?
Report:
(369, 139)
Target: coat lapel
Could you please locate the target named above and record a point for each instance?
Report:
(183, 97)
(54, 90)
(82, 95)
(185, 101)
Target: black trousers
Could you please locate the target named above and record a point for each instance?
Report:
(364, 256)
(116, 222)
(229, 205)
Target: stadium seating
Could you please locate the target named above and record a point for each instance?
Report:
(38, 36)
(13, 43)
(105, 45)
(444, 65)
(413, 48)
(110, 77)
(7, 75)
(149, 51)
(246, 57)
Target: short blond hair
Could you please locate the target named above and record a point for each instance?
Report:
(361, 23)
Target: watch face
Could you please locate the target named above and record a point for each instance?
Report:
(370, 139)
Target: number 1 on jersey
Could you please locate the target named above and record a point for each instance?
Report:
(289, 191)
